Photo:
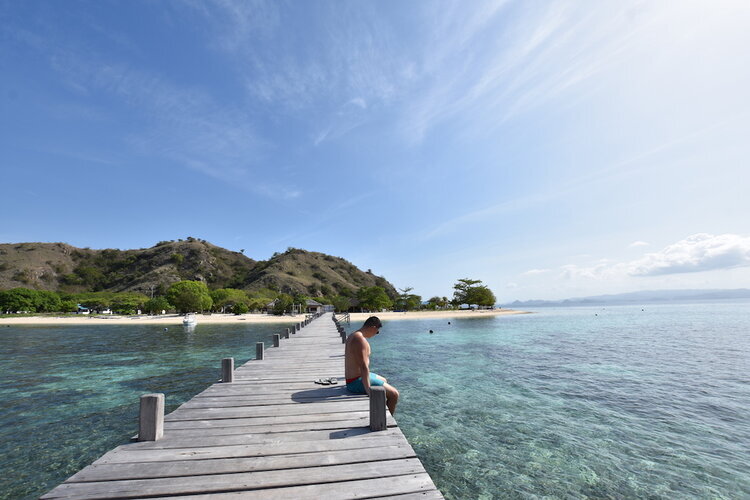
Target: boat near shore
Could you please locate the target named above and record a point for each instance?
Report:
(189, 320)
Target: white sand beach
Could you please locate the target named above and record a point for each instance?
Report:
(167, 319)
(175, 319)
(384, 316)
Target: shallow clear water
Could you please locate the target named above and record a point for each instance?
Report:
(578, 402)
(69, 394)
(564, 403)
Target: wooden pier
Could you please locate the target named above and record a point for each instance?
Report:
(267, 431)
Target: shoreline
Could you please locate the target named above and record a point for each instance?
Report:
(166, 319)
(216, 319)
(458, 314)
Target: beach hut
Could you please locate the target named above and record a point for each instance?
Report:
(313, 306)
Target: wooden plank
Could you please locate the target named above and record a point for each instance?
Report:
(125, 454)
(244, 481)
(268, 411)
(179, 468)
(263, 421)
(362, 422)
(384, 487)
(303, 397)
(353, 434)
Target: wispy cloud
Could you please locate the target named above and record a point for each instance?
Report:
(696, 253)
(535, 272)
(699, 252)
(637, 244)
(180, 123)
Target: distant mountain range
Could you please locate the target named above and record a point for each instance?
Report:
(62, 267)
(647, 296)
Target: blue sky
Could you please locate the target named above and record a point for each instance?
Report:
(549, 149)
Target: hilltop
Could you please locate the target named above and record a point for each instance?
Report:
(63, 267)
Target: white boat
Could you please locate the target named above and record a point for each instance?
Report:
(189, 320)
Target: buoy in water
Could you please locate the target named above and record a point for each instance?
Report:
(431, 331)
(166, 329)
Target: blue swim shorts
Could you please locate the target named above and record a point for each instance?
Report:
(356, 386)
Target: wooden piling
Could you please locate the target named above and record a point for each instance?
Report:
(259, 350)
(151, 418)
(276, 340)
(377, 408)
(227, 370)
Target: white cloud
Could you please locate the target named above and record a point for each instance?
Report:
(511, 285)
(533, 272)
(636, 244)
(358, 101)
(699, 252)
(696, 253)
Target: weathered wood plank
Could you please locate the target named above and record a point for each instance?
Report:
(125, 454)
(354, 433)
(262, 421)
(178, 468)
(386, 487)
(243, 481)
(268, 411)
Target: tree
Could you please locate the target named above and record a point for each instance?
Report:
(283, 304)
(240, 308)
(227, 297)
(188, 296)
(437, 302)
(341, 303)
(156, 305)
(468, 291)
(18, 299)
(373, 298)
(95, 301)
(46, 301)
(407, 301)
(482, 296)
(127, 303)
(68, 306)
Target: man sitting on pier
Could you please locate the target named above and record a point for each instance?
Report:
(359, 378)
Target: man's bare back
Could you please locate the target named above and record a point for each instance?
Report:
(359, 378)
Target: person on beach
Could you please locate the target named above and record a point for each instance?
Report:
(359, 378)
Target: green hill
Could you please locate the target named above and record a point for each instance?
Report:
(62, 267)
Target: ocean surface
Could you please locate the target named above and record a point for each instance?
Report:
(618, 402)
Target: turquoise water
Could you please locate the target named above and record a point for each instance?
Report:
(564, 403)
(578, 402)
(69, 394)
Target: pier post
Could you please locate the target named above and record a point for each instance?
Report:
(276, 340)
(151, 418)
(227, 370)
(259, 350)
(286, 335)
(377, 409)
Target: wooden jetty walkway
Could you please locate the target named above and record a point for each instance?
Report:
(267, 431)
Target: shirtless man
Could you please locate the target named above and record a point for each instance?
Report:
(359, 378)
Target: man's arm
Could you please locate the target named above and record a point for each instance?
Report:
(364, 365)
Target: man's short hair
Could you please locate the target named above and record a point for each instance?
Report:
(373, 321)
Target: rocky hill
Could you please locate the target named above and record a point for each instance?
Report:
(62, 267)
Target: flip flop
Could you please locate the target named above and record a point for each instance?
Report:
(322, 381)
(333, 381)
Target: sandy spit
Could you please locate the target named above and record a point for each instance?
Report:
(175, 319)
(167, 319)
(357, 317)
